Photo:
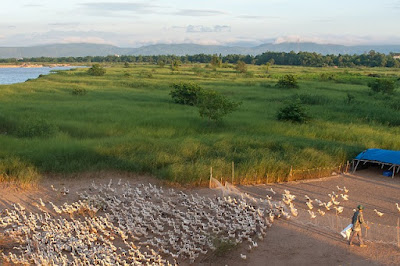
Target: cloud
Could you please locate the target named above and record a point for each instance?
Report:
(64, 24)
(115, 8)
(199, 12)
(340, 39)
(201, 28)
(257, 17)
(33, 5)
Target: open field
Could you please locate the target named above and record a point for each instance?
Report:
(297, 241)
(128, 122)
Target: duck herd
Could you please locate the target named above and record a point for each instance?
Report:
(123, 224)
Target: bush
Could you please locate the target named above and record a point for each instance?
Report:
(185, 93)
(96, 70)
(288, 82)
(36, 128)
(241, 67)
(382, 85)
(293, 112)
(79, 91)
(215, 106)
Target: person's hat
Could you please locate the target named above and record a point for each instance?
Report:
(360, 207)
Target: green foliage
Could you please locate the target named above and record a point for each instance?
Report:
(288, 81)
(15, 170)
(96, 70)
(385, 86)
(175, 65)
(293, 112)
(214, 106)
(7, 126)
(126, 65)
(161, 63)
(145, 74)
(36, 128)
(311, 99)
(222, 247)
(79, 91)
(185, 93)
(241, 67)
(216, 61)
(156, 137)
(350, 98)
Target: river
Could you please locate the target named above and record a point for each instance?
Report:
(21, 74)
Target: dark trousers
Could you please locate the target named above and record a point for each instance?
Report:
(354, 234)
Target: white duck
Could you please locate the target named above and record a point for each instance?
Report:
(380, 214)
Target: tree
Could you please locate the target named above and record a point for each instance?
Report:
(215, 106)
(185, 93)
(241, 66)
(288, 82)
(96, 70)
(175, 64)
(216, 61)
(294, 112)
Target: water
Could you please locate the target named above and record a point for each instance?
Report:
(21, 74)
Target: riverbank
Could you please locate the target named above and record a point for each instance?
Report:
(28, 65)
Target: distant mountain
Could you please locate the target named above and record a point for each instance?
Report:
(86, 49)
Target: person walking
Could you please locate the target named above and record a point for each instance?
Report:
(357, 221)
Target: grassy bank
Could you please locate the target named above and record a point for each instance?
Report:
(127, 121)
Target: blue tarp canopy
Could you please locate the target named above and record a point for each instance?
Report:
(379, 155)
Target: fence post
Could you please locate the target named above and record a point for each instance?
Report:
(233, 171)
(398, 233)
(210, 177)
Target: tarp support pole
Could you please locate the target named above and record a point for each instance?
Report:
(355, 168)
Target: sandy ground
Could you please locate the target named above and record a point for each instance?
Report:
(287, 242)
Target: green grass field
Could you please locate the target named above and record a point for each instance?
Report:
(127, 121)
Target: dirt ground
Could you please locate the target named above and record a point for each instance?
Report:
(287, 242)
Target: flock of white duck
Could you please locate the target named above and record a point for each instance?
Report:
(121, 224)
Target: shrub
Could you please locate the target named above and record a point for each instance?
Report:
(185, 93)
(36, 128)
(126, 65)
(145, 74)
(215, 106)
(79, 91)
(293, 112)
(96, 70)
(241, 67)
(288, 82)
(382, 85)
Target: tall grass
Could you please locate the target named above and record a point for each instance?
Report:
(127, 121)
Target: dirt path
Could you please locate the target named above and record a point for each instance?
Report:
(287, 242)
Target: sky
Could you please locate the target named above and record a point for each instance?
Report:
(132, 23)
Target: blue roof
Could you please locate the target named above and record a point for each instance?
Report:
(384, 156)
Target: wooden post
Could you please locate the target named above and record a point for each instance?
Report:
(366, 230)
(210, 177)
(233, 171)
(290, 173)
(398, 232)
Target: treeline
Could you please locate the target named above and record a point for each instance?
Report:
(371, 59)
